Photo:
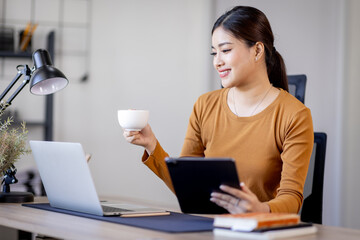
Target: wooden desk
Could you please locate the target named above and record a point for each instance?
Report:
(71, 227)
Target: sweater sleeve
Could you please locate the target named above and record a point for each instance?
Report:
(156, 163)
(297, 149)
(193, 145)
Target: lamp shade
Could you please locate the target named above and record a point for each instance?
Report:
(46, 79)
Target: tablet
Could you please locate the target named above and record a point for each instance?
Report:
(194, 179)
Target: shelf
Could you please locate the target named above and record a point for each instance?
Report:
(15, 54)
(30, 123)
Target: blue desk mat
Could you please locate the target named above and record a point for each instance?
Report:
(173, 223)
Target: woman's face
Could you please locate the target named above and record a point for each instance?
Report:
(233, 59)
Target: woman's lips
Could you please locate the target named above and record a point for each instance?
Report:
(224, 73)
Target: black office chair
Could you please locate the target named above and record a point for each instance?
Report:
(311, 210)
(297, 84)
(313, 190)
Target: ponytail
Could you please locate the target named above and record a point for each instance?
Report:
(276, 70)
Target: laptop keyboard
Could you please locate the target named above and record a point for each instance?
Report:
(114, 209)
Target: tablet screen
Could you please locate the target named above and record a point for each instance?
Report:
(194, 179)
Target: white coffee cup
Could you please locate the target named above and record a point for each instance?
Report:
(133, 120)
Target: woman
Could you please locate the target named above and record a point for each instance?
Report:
(253, 120)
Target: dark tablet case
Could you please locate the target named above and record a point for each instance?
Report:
(194, 179)
(173, 223)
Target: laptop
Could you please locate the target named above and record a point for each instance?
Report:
(68, 183)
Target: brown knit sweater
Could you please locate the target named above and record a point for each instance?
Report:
(272, 149)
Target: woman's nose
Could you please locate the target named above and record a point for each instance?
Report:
(218, 62)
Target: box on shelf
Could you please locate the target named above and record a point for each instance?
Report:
(6, 39)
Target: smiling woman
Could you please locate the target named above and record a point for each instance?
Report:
(253, 120)
(249, 26)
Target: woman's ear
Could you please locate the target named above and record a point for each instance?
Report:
(259, 50)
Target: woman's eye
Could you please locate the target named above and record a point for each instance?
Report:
(223, 51)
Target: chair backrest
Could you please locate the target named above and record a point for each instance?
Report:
(297, 84)
(313, 190)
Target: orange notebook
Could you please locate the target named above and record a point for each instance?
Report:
(252, 221)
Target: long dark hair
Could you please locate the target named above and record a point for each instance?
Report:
(251, 25)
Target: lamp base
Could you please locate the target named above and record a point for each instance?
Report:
(16, 197)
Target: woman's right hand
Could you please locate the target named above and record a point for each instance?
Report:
(144, 138)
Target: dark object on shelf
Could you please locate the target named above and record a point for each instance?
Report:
(25, 37)
(26, 48)
(44, 79)
(6, 39)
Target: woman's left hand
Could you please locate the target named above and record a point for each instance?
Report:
(238, 201)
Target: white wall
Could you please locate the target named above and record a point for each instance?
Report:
(145, 55)
(350, 187)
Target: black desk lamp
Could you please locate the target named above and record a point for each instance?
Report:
(44, 79)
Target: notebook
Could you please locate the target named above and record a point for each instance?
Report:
(68, 183)
(195, 178)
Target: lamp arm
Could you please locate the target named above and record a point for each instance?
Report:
(18, 75)
(18, 90)
(24, 71)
